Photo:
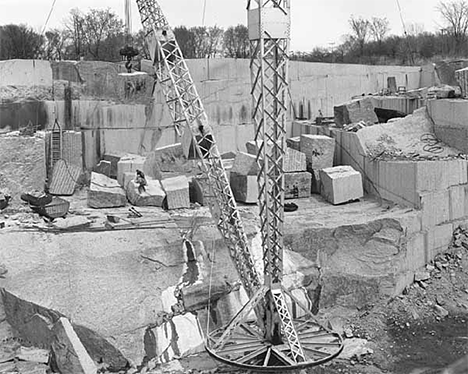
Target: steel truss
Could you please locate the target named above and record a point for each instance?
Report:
(264, 335)
(280, 341)
(188, 114)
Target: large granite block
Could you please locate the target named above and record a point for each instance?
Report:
(177, 192)
(245, 164)
(355, 111)
(153, 195)
(319, 151)
(105, 192)
(341, 184)
(244, 187)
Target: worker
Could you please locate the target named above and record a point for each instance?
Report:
(140, 181)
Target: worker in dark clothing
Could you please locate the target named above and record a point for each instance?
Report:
(140, 181)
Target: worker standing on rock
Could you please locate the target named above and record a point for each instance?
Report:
(140, 181)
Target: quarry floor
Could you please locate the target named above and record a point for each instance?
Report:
(421, 331)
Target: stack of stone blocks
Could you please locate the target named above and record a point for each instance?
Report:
(243, 175)
(170, 191)
(437, 190)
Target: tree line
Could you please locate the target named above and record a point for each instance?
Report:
(100, 34)
(370, 42)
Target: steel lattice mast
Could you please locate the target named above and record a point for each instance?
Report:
(188, 114)
(270, 339)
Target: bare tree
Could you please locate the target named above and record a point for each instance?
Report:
(19, 41)
(379, 28)
(360, 28)
(186, 40)
(96, 34)
(214, 42)
(236, 42)
(55, 44)
(455, 16)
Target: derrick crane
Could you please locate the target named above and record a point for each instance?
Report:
(264, 334)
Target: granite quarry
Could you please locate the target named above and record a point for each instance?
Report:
(130, 280)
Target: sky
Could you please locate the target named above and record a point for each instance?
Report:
(315, 23)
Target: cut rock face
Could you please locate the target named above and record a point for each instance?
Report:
(153, 195)
(105, 192)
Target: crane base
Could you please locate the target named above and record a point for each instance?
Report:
(242, 342)
(249, 350)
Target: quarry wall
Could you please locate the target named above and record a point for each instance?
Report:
(118, 114)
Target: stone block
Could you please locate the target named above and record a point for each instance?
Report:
(177, 192)
(169, 344)
(319, 151)
(252, 147)
(397, 181)
(355, 111)
(341, 184)
(435, 209)
(416, 256)
(244, 187)
(245, 164)
(129, 164)
(71, 356)
(458, 203)
(114, 160)
(152, 196)
(127, 177)
(168, 159)
(297, 185)
(462, 79)
(200, 190)
(294, 143)
(105, 192)
(294, 161)
(440, 175)
(104, 167)
(438, 239)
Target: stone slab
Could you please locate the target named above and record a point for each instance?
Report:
(319, 151)
(70, 355)
(153, 195)
(105, 192)
(297, 185)
(341, 184)
(64, 178)
(244, 187)
(177, 192)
